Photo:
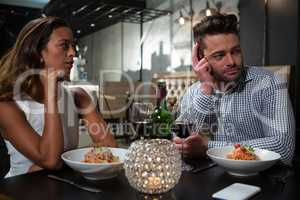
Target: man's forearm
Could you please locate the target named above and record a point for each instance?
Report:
(196, 107)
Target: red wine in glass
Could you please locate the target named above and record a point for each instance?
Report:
(182, 129)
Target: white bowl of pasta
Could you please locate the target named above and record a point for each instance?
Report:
(96, 163)
(235, 163)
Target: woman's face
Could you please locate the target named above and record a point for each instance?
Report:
(59, 52)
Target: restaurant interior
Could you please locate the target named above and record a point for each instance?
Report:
(119, 42)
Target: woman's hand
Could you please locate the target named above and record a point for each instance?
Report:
(49, 79)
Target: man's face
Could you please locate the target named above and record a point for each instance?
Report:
(223, 52)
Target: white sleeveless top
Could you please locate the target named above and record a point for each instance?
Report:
(34, 113)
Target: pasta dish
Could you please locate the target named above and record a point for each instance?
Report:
(100, 155)
(242, 153)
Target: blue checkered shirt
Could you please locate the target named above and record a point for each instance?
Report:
(257, 112)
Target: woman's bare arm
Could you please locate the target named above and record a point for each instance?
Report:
(96, 125)
(44, 150)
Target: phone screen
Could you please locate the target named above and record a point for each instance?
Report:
(237, 191)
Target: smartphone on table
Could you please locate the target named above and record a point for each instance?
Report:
(237, 191)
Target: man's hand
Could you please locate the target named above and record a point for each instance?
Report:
(203, 71)
(193, 146)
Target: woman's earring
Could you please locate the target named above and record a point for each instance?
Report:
(41, 60)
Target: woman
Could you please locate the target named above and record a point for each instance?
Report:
(38, 116)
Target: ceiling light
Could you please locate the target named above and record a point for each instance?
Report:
(110, 16)
(209, 11)
(127, 10)
(181, 18)
(185, 15)
(78, 31)
(98, 8)
(113, 9)
(77, 47)
(92, 25)
(81, 9)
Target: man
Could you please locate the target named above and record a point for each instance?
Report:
(234, 103)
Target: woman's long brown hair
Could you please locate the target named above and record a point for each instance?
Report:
(26, 55)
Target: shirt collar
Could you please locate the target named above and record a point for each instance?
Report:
(246, 75)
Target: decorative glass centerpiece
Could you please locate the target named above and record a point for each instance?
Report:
(153, 166)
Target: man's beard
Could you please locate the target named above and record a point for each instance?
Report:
(223, 83)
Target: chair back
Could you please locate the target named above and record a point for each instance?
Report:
(176, 82)
(282, 70)
(116, 97)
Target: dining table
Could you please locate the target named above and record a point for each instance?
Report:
(279, 182)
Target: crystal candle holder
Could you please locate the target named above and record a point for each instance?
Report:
(153, 166)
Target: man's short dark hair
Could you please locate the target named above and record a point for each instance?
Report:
(216, 24)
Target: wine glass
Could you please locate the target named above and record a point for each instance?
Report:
(141, 118)
(183, 130)
(142, 111)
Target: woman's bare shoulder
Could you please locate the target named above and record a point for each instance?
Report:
(10, 115)
(8, 106)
